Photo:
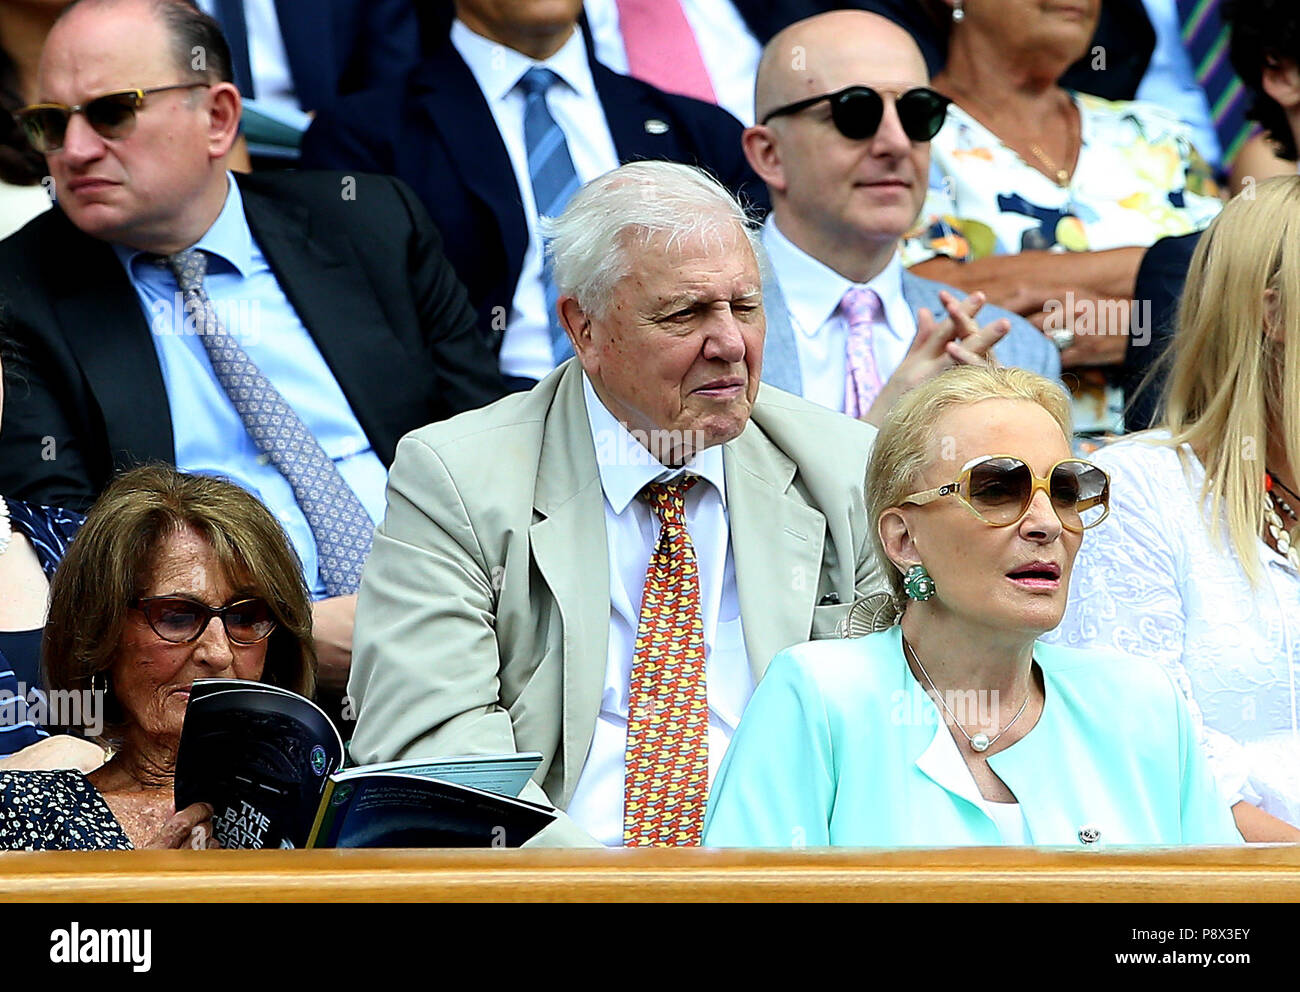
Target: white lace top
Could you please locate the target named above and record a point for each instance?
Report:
(1151, 580)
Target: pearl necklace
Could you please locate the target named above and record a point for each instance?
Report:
(980, 742)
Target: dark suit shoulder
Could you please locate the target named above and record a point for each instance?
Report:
(361, 127)
(647, 123)
(49, 231)
(627, 89)
(519, 415)
(321, 189)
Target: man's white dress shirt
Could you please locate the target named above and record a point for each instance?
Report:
(631, 531)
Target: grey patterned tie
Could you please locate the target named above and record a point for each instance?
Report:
(340, 524)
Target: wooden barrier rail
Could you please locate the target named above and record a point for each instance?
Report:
(1246, 874)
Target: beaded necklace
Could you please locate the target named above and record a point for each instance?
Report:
(1275, 506)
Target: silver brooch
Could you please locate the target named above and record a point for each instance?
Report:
(655, 126)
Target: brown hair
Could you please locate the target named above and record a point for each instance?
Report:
(109, 562)
(905, 444)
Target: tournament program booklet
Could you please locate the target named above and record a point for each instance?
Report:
(266, 760)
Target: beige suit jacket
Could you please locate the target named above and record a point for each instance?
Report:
(484, 611)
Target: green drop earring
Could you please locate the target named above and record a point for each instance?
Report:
(918, 584)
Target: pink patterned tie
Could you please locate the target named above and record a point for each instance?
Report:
(661, 48)
(862, 310)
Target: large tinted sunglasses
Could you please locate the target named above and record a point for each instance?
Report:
(999, 488)
(858, 110)
(180, 620)
(111, 115)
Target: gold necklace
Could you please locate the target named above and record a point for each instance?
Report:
(1062, 176)
(1057, 174)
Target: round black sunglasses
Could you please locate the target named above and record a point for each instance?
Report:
(858, 110)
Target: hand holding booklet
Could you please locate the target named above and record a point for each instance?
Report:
(267, 760)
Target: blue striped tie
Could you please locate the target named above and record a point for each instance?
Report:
(1206, 38)
(554, 181)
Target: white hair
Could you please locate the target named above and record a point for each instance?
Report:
(589, 242)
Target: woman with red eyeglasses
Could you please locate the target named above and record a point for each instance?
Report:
(1199, 566)
(957, 725)
(172, 578)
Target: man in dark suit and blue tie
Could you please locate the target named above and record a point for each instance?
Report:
(472, 126)
(283, 331)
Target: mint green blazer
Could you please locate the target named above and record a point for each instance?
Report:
(834, 747)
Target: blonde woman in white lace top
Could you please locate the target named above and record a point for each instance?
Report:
(1197, 565)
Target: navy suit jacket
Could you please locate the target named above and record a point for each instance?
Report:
(437, 134)
(342, 46)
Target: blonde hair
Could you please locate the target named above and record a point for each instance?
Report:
(906, 442)
(1230, 376)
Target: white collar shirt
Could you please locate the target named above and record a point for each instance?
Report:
(632, 530)
(812, 292)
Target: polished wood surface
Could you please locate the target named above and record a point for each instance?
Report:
(1258, 873)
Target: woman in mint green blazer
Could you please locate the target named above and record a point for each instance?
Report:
(956, 726)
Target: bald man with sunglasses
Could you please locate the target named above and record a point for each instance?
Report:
(845, 117)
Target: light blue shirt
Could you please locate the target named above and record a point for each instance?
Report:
(210, 437)
(1170, 80)
(841, 746)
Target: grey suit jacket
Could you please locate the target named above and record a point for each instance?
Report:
(1025, 347)
(483, 619)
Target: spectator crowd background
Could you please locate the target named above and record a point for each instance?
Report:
(528, 375)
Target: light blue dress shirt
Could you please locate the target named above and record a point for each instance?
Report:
(841, 746)
(209, 435)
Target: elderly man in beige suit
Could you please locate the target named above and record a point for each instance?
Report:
(601, 568)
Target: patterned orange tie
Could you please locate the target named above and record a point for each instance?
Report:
(667, 780)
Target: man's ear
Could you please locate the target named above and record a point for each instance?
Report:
(764, 154)
(1280, 79)
(577, 324)
(224, 109)
(896, 536)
